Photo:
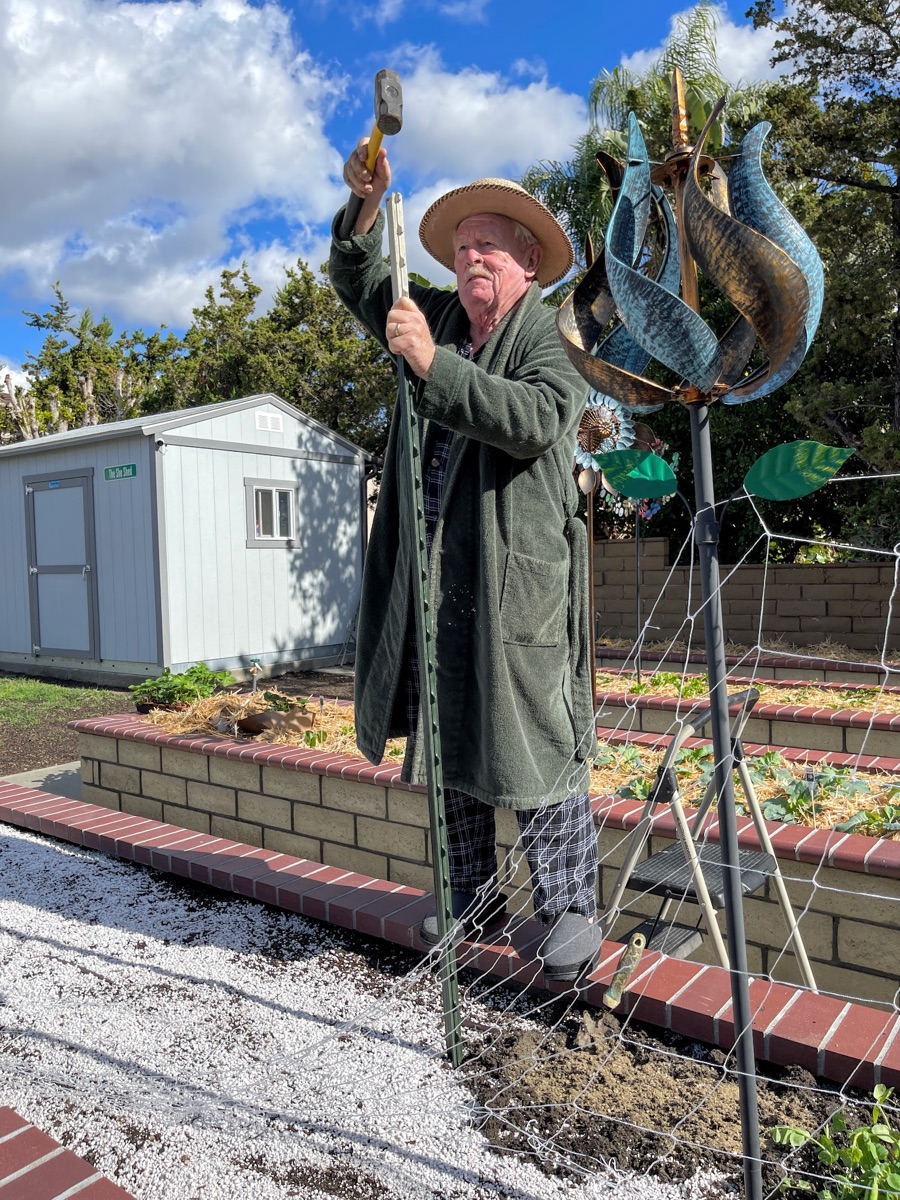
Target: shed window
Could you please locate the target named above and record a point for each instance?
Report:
(274, 512)
(272, 515)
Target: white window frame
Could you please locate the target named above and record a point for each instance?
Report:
(252, 489)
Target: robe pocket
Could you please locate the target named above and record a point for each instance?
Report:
(534, 603)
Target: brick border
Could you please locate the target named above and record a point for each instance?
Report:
(32, 1163)
(838, 1040)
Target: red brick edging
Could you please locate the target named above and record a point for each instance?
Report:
(35, 1167)
(836, 1039)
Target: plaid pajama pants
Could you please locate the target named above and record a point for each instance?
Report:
(559, 840)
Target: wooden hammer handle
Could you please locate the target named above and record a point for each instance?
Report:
(355, 203)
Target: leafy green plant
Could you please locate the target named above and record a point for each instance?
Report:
(800, 799)
(315, 737)
(281, 703)
(623, 758)
(864, 1162)
(696, 759)
(638, 788)
(196, 683)
(876, 821)
(686, 685)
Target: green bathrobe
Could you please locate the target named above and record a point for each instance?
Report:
(508, 575)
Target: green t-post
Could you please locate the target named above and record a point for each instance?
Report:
(412, 499)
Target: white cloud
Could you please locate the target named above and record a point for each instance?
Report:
(149, 145)
(385, 12)
(471, 123)
(136, 135)
(464, 10)
(744, 52)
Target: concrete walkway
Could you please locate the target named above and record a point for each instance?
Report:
(61, 780)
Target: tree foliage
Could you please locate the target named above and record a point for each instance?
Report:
(691, 47)
(837, 121)
(306, 348)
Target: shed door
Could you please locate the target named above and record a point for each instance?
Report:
(62, 569)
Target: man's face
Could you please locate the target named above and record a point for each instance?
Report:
(492, 269)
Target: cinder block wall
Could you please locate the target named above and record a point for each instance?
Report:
(849, 921)
(849, 603)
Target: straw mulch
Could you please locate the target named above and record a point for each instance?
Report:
(218, 715)
(867, 697)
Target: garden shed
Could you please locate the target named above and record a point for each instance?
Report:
(220, 534)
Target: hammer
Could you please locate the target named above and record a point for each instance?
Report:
(388, 119)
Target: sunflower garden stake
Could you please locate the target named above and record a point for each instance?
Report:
(608, 425)
(752, 250)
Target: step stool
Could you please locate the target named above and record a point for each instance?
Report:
(691, 870)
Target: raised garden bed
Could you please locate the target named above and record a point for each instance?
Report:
(335, 809)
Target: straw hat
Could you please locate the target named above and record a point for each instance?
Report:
(507, 199)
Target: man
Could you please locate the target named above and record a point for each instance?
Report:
(499, 405)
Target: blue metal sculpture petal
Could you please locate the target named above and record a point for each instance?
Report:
(763, 282)
(581, 321)
(754, 202)
(619, 347)
(659, 321)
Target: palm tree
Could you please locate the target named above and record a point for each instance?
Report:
(577, 192)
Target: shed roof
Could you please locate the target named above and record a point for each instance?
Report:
(153, 423)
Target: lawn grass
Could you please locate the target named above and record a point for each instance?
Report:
(25, 702)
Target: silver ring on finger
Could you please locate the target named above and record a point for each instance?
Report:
(396, 329)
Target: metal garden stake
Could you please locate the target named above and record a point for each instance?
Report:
(428, 729)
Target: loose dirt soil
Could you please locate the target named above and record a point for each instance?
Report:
(624, 1083)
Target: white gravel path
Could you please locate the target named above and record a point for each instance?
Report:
(204, 1048)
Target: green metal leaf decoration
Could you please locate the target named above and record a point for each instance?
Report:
(637, 474)
(794, 469)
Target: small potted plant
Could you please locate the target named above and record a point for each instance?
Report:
(181, 690)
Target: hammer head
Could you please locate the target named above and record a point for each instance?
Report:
(388, 102)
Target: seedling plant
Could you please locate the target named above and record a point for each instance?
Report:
(864, 1163)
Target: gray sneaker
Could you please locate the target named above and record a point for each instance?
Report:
(471, 912)
(571, 947)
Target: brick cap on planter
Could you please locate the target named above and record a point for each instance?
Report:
(839, 1040)
(793, 843)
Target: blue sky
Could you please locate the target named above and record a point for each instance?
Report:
(148, 145)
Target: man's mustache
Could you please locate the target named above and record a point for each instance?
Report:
(477, 273)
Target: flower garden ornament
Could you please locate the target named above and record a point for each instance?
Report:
(632, 306)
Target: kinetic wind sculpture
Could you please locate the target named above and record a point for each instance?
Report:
(746, 243)
(735, 229)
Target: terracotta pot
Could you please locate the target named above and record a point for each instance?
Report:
(295, 721)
